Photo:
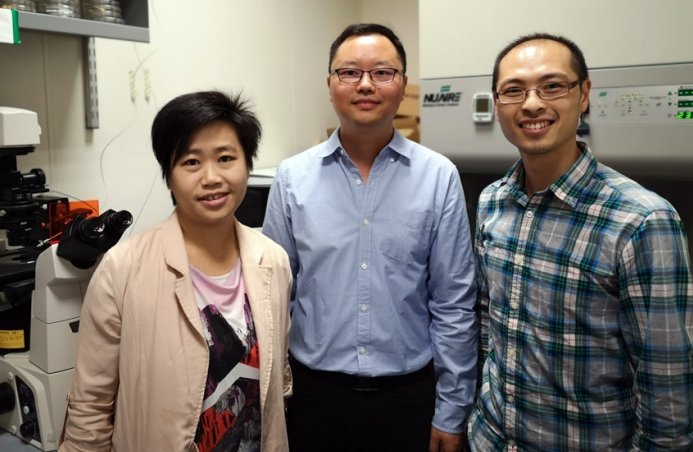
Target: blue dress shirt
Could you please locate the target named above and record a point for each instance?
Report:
(384, 274)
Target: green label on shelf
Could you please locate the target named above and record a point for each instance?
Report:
(9, 26)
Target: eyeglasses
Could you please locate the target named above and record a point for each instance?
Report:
(547, 91)
(378, 76)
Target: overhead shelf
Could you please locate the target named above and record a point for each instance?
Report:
(135, 14)
(81, 27)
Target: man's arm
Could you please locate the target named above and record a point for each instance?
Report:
(453, 327)
(656, 291)
(277, 223)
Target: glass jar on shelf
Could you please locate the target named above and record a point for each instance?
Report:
(63, 8)
(102, 10)
(19, 5)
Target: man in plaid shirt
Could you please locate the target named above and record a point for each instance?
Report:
(585, 288)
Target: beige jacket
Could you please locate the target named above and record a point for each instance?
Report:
(142, 358)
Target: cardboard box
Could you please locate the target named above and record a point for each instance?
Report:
(410, 104)
(407, 119)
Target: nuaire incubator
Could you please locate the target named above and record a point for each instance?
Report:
(640, 122)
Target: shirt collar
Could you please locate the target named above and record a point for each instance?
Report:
(398, 144)
(513, 182)
(570, 185)
(331, 146)
(566, 188)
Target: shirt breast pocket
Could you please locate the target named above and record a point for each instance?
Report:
(406, 239)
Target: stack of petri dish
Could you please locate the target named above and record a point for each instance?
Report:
(102, 10)
(19, 5)
(64, 8)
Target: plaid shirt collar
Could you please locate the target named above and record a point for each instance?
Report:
(567, 188)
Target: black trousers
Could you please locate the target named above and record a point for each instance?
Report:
(341, 413)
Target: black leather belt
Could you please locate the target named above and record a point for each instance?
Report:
(360, 383)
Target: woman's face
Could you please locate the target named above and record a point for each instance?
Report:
(210, 178)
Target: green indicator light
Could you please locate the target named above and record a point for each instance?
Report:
(686, 92)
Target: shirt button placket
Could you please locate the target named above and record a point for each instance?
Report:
(515, 325)
(364, 193)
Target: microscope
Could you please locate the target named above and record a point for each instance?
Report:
(44, 274)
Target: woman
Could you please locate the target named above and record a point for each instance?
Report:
(183, 334)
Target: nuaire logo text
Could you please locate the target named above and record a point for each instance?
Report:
(443, 98)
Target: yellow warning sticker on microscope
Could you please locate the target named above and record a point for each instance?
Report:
(12, 339)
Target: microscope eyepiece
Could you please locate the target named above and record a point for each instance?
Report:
(90, 229)
(117, 221)
(84, 240)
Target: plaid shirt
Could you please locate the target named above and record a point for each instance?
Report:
(586, 307)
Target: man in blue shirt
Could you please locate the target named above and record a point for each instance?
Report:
(384, 336)
(585, 287)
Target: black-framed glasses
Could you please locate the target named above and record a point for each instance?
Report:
(353, 75)
(546, 91)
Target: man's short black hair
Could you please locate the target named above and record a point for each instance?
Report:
(577, 62)
(364, 30)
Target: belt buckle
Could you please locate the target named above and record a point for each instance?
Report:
(364, 384)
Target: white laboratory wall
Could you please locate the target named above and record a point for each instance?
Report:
(460, 38)
(274, 51)
(403, 17)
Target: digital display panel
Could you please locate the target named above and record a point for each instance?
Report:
(684, 115)
(685, 103)
(685, 91)
(483, 104)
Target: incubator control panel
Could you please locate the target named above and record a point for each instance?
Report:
(640, 121)
(664, 104)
